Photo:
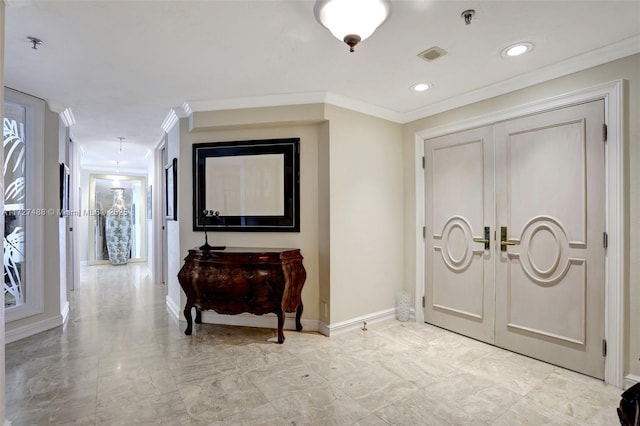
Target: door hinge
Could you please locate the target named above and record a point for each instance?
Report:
(424, 232)
(423, 162)
(605, 240)
(604, 133)
(423, 301)
(604, 347)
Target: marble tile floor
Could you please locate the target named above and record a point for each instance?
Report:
(121, 359)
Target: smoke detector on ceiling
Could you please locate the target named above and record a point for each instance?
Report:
(432, 53)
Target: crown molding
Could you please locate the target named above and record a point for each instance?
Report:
(256, 102)
(169, 121)
(173, 116)
(186, 109)
(293, 99)
(55, 107)
(67, 117)
(593, 58)
(363, 107)
(612, 52)
(94, 168)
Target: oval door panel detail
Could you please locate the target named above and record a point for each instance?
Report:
(544, 255)
(457, 239)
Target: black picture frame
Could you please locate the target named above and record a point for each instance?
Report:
(171, 190)
(282, 156)
(65, 178)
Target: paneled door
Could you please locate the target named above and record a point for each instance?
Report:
(458, 227)
(550, 264)
(537, 184)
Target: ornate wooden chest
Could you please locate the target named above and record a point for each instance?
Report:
(237, 280)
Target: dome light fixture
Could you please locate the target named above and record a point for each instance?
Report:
(421, 87)
(517, 49)
(352, 21)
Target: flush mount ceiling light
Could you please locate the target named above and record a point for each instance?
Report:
(421, 87)
(352, 21)
(517, 49)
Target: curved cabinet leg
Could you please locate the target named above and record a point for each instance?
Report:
(280, 314)
(298, 316)
(198, 319)
(187, 316)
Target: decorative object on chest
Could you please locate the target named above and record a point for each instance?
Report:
(237, 280)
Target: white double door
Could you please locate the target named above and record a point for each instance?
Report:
(514, 235)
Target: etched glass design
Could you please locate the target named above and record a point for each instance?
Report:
(14, 131)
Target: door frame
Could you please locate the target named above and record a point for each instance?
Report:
(158, 214)
(613, 96)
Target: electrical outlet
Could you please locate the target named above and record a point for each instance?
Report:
(325, 309)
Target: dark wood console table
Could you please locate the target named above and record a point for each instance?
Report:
(237, 280)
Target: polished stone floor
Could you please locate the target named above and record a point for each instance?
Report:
(122, 360)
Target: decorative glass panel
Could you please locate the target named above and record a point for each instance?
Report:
(14, 125)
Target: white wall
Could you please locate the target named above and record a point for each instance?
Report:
(366, 214)
(82, 251)
(351, 204)
(63, 224)
(175, 251)
(150, 247)
(306, 239)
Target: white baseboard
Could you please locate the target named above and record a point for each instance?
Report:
(630, 380)
(174, 309)
(31, 329)
(271, 321)
(65, 312)
(355, 323)
(260, 321)
(323, 328)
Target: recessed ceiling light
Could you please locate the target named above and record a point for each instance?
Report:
(517, 49)
(421, 87)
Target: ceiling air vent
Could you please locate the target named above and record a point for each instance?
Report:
(432, 53)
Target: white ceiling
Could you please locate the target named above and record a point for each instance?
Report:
(121, 66)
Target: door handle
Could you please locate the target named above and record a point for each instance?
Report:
(503, 239)
(486, 240)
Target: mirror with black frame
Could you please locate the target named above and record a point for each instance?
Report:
(250, 186)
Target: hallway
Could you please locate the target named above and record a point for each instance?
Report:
(121, 359)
